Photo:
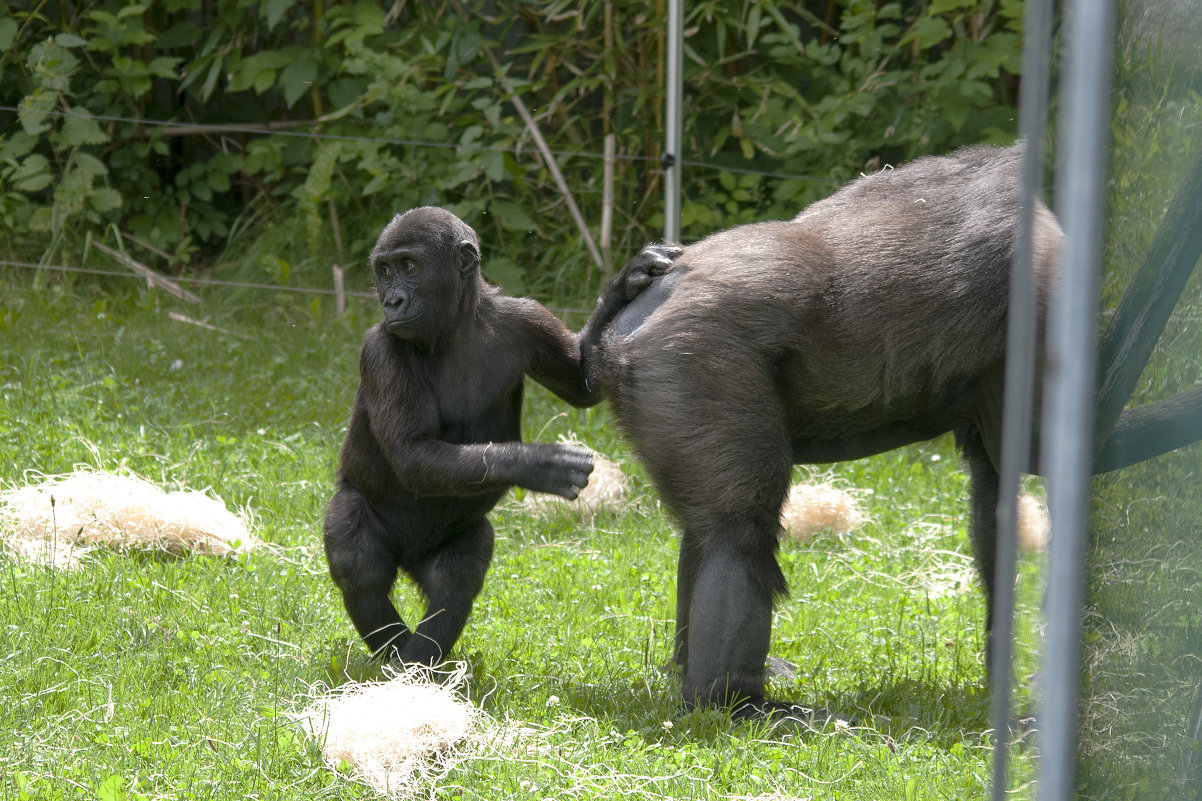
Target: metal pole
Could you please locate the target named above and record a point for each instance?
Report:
(673, 135)
(1020, 377)
(1067, 443)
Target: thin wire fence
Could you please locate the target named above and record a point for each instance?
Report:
(203, 128)
(211, 282)
(192, 128)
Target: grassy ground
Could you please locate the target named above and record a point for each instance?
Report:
(1139, 734)
(142, 676)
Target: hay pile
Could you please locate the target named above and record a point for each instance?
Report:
(61, 517)
(1032, 526)
(811, 508)
(395, 736)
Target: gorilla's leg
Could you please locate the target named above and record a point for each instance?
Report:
(450, 578)
(730, 620)
(364, 570)
(983, 497)
(724, 477)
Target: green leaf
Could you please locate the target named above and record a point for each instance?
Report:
(264, 81)
(943, 6)
(369, 16)
(105, 199)
(928, 31)
(506, 274)
(318, 181)
(79, 130)
(274, 11)
(102, 19)
(436, 131)
(211, 79)
(32, 111)
(62, 39)
(465, 45)
(218, 181)
(296, 79)
(248, 71)
(18, 144)
(183, 34)
(345, 91)
(33, 174)
(8, 32)
(163, 66)
(511, 215)
(223, 163)
(493, 162)
(132, 11)
(72, 188)
(1012, 12)
(954, 106)
(89, 164)
(278, 59)
(788, 189)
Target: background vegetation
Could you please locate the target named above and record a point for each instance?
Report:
(378, 107)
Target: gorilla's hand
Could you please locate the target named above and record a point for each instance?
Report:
(648, 264)
(652, 260)
(558, 469)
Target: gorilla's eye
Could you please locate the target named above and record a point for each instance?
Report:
(408, 266)
(384, 270)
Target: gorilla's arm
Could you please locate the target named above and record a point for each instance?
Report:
(554, 353)
(434, 468)
(430, 467)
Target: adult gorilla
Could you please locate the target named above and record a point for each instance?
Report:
(434, 436)
(873, 319)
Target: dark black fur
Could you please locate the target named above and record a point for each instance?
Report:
(434, 436)
(873, 319)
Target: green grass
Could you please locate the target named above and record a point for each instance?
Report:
(1142, 628)
(139, 676)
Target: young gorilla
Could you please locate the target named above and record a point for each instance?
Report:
(434, 435)
(873, 319)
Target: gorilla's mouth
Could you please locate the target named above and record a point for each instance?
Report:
(402, 324)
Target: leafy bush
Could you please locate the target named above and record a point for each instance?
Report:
(297, 129)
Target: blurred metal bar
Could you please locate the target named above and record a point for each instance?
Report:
(672, 117)
(1017, 408)
(1068, 420)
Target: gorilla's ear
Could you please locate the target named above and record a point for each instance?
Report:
(469, 258)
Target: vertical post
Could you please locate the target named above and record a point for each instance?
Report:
(672, 117)
(607, 207)
(1067, 442)
(339, 291)
(1018, 404)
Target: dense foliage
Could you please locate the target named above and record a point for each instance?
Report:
(362, 109)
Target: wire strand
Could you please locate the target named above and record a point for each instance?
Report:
(253, 129)
(182, 279)
(211, 282)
